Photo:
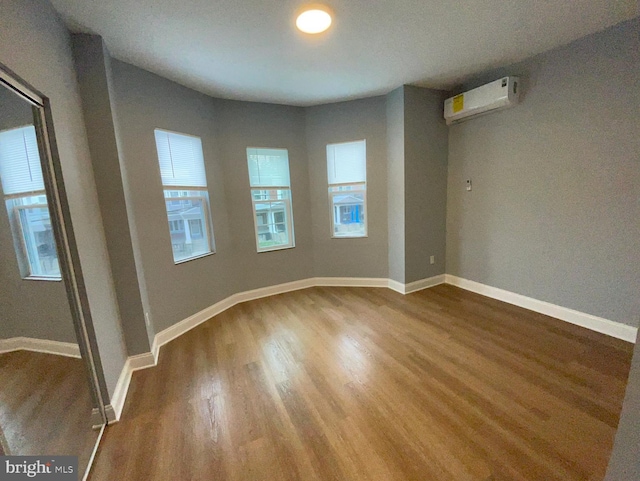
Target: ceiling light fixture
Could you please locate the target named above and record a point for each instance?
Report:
(315, 19)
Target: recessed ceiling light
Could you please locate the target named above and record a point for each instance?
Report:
(314, 20)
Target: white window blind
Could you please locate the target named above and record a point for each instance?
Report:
(268, 167)
(20, 168)
(347, 162)
(181, 160)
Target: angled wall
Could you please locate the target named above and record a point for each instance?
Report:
(252, 124)
(395, 184)
(417, 150)
(343, 122)
(425, 182)
(92, 63)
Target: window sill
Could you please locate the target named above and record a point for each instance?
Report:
(39, 278)
(184, 261)
(350, 236)
(276, 249)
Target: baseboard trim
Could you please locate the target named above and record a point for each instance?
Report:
(424, 284)
(594, 323)
(396, 286)
(150, 359)
(349, 282)
(67, 349)
(132, 364)
(178, 329)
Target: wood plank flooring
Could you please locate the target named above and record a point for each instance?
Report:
(45, 406)
(367, 384)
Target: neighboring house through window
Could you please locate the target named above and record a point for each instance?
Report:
(347, 177)
(185, 190)
(26, 203)
(271, 198)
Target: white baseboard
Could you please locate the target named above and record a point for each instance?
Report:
(349, 282)
(142, 361)
(423, 284)
(178, 329)
(396, 286)
(58, 348)
(598, 324)
(133, 363)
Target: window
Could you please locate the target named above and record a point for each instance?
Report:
(26, 203)
(347, 175)
(185, 192)
(271, 198)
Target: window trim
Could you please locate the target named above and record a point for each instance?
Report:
(208, 218)
(22, 253)
(341, 184)
(25, 263)
(288, 203)
(208, 225)
(23, 240)
(332, 214)
(289, 220)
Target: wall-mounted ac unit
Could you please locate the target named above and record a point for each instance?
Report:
(497, 95)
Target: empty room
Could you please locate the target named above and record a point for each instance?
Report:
(348, 240)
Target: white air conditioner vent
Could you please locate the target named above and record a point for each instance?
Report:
(497, 95)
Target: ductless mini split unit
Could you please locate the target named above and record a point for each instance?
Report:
(497, 95)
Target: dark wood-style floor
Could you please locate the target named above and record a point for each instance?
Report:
(367, 384)
(45, 406)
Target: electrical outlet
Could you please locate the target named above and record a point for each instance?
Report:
(432, 259)
(147, 319)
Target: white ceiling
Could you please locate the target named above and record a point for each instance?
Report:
(250, 49)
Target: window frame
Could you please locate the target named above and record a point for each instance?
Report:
(207, 217)
(362, 192)
(208, 225)
(288, 219)
(288, 202)
(25, 263)
(23, 259)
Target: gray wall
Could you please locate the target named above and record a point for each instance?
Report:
(624, 464)
(92, 64)
(395, 184)
(417, 150)
(425, 182)
(249, 124)
(36, 309)
(342, 122)
(35, 44)
(554, 209)
(143, 102)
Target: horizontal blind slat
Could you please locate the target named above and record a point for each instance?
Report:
(181, 159)
(20, 169)
(268, 167)
(347, 162)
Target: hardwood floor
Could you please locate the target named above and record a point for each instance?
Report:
(45, 406)
(367, 384)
